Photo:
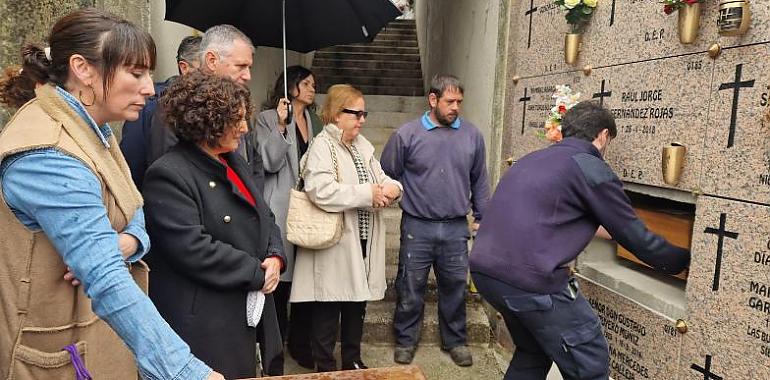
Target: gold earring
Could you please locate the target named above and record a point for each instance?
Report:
(93, 96)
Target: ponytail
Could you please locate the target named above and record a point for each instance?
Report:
(36, 66)
(17, 84)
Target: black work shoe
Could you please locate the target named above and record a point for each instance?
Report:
(461, 355)
(356, 365)
(403, 355)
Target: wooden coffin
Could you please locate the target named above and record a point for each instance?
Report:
(674, 227)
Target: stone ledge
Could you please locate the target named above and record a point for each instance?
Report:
(661, 293)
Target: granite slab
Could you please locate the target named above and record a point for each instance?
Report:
(728, 292)
(737, 147)
(643, 344)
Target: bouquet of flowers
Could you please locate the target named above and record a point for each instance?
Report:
(669, 6)
(564, 99)
(579, 12)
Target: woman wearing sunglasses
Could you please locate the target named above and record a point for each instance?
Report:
(340, 280)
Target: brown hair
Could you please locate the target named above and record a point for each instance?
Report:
(16, 89)
(337, 97)
(201, 107)
(103, 39)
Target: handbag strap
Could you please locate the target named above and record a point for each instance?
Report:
(303, 164)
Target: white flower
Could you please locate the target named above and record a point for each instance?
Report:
(590, 3)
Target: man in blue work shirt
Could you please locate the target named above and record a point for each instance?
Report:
(440, 160)
(545, 211)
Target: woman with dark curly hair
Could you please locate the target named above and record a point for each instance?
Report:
(210, 229)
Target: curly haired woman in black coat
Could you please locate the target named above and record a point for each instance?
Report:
(210, 229)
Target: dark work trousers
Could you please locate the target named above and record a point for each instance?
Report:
(547, 328)
(443, 245)
(294, 318)
(327, 318)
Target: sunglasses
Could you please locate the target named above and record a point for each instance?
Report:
(359, 114)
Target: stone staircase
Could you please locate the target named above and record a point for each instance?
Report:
(389, 65)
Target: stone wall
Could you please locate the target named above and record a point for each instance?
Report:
(662, 91)
(460, 38)
(30, 21)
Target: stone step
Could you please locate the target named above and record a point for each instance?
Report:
(392, 42)
(398, 27)
(382, 90)
(367, 56)
(415, 105)
(390, 120)
(380, 81)
(365, 64)
(363, 72)
(402, 22)
(377, 135)
(399, 33)
(378, 324)
(434, 363)
(431, 288)
(371, 49)
(369, 81)
(391, 37)
(392, 220)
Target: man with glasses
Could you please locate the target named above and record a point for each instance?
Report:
(136, 134)
(440, 160)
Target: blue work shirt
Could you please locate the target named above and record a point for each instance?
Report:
(55, 193)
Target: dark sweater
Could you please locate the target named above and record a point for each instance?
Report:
(546, 209)
(443, 169)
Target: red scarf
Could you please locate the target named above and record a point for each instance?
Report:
(233, 177)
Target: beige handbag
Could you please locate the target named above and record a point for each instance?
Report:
(307, 225)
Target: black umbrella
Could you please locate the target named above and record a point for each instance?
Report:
(309, 24)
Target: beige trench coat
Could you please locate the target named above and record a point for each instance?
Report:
(340, 273)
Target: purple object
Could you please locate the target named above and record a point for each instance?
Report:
(81, 372)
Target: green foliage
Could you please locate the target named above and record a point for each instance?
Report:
(579, 15)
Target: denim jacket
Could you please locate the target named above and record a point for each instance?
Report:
(55, 193)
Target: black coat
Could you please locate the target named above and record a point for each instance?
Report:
(207, 247)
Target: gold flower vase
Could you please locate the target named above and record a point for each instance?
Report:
(689, 23)
(673, 163)
(572, 43)
(734, 17)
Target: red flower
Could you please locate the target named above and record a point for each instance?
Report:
(692, 1)
(562, 108)
(668, 9)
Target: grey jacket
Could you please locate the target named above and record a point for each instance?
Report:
(281, 164)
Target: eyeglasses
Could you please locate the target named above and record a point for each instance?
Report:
(359, 114)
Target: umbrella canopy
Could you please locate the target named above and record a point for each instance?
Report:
(310, 24)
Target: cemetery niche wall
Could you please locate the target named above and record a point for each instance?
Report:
(715, 322)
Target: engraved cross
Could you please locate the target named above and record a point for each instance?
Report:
(707, 374)
(721, 234)
(612, 15)
(601, 95)
(736, 86)
(524, 99)
(530, 13)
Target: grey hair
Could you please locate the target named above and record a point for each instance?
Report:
(443, 82)
(220, 38)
